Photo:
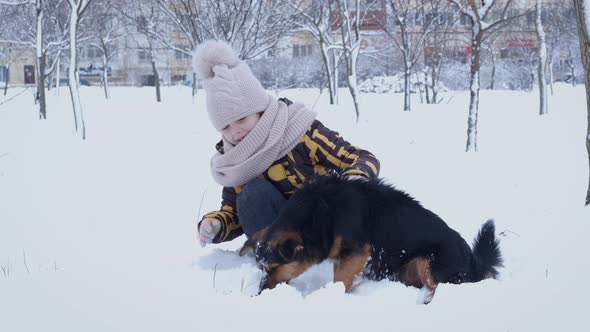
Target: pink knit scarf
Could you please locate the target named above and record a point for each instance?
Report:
(275, 134)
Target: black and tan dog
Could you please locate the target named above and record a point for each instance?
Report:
(369, 227)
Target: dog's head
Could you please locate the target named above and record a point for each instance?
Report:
(274, 247)
(280, 254)
(283, 248)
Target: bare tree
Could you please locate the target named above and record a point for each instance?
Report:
(148, 23)
(252, 27)
(560, 29)
(582, 7)
(30, 28)
(410, 25)
(491, 46)
(147, 28)
(315, 18)
(106, 30)
(185, 16)
(482, 21)
(350, 20)
(77, 9)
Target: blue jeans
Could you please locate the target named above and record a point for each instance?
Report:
(258, 205)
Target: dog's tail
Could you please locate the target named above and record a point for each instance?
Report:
(486, 252)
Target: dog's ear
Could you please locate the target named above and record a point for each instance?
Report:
(290, 250)
(247, 247)
(251, 243)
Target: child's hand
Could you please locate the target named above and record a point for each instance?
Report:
(209, 228)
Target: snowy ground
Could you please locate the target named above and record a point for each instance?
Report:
(100, 235)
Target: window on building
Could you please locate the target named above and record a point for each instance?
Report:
(530, 18)
(302, 50)
(93, 52)
(178, 78)
(504, 54)
(418, 18)
(178, 55)
(464, 19)
(3, 73)
(143, 55)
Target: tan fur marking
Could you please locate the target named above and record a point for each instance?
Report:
(417, 273)
(348, 269)
(336, 247)
(287, 272)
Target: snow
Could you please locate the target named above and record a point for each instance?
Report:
(100, 234)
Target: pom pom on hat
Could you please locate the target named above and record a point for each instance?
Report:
(212, 53)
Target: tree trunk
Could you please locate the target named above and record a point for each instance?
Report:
(585, 53)
(352, 82)
(335, 74)
(7, 77)
(41, 87)
(105, 74)
(73, 74)
(419, 85)
(407, 100)
(58, 75)
(156, 81)
(493, 71)
(326, 61)
(426, 87)
(550, 63)
(194, 85)
(40, 61)
(434, 77)
(573, 72)
(542, 60)
(474, 92)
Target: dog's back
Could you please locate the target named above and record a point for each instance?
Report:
(396, 226)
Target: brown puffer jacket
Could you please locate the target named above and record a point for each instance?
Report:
(321, 151)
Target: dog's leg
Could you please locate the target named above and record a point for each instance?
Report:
(417, 273)
(347, 269)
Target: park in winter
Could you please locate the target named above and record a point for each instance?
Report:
(113, 124)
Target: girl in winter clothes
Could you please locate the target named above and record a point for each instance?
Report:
(269, 148)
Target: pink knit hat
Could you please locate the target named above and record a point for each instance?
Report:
(232, 90)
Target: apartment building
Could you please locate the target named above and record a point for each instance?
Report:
(17, 65)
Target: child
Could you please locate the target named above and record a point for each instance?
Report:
(269, 148)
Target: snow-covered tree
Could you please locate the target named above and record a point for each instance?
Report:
(147, 30)
(185, 17)
(583, 10)
(349, 17)
(32, 26)
(409, 25)
(105, 33)
(77, 9)
(483, 19)
(561, 32)
(314, 18)
(542, 58)
(252, 27)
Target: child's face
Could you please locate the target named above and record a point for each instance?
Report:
(237, 130)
